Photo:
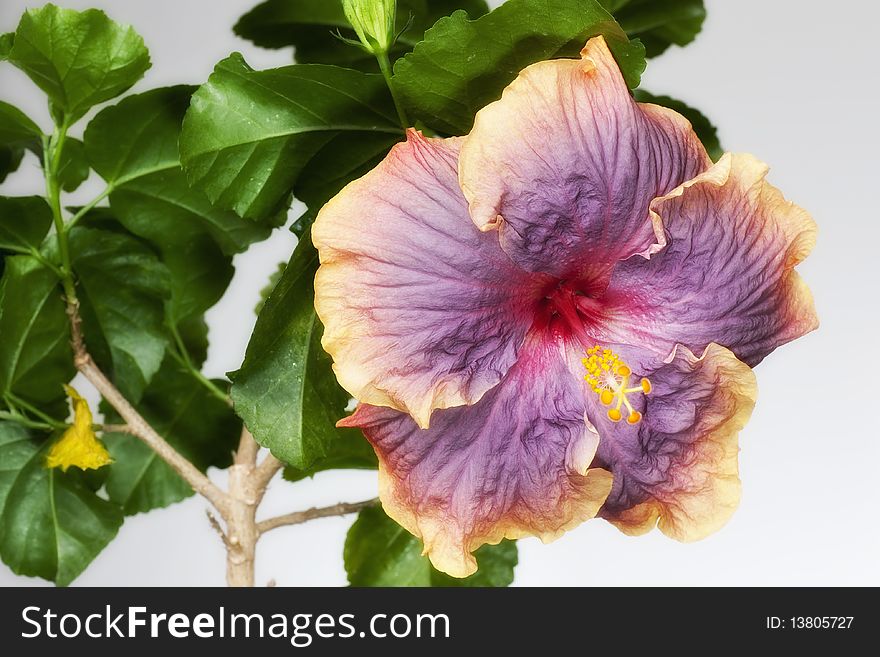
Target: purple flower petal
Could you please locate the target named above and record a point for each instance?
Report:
(727, 273)
(676, 468)
(421, 310)
(514, 464)
(565, 165)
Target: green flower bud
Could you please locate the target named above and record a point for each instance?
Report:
(373, 20)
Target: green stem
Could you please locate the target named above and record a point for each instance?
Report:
(19, 402)
(11, 405)
(45, 261)
(25, 421)
(201, 378)
(34, 253)
(385, 67)
(52, 153)
(181, 355)
(84, 210)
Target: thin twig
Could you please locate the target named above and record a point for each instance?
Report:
(137, 425)
(215, 524)
(266, 470)
(341, 509)
(246, 454)
(114, 428)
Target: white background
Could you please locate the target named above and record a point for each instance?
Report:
(792, 81)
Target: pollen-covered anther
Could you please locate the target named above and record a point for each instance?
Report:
(608, 377)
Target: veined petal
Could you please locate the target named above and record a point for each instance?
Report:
(565, 165)
(727, 273)
(421, 310)
(514, 464)
(676, 468)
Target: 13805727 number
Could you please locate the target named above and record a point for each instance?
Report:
(821, 622)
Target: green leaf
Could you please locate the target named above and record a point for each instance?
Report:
(659, 23)
(347, 450)
(122, 287)
(274, 277)
(6, 41)
(462, 65)
(162, 208)
(24, 222)
(193, 333)
(249, 135)
(133, 146)
(342, 160)
(328, 173)
(16, 129)
(196, 423)
(379, 552)
(52, 524)
(140, 481)
(17, 132)
(10, 160)
(79, 59)
(200, 271)
(74, 168)
(285, 390)
(311, 27)
(138, 135)
(199, 274)
(707, 132)
(35, 355)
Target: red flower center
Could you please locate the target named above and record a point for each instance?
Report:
(571, 308)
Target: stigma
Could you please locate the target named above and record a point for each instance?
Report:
(609, 377)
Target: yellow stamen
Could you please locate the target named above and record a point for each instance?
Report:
(608, 376)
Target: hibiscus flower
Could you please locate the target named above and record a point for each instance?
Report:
(556, 316)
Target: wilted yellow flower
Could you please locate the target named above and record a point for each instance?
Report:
(78, 445)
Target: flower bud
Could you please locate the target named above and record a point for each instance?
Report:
(373, 20)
